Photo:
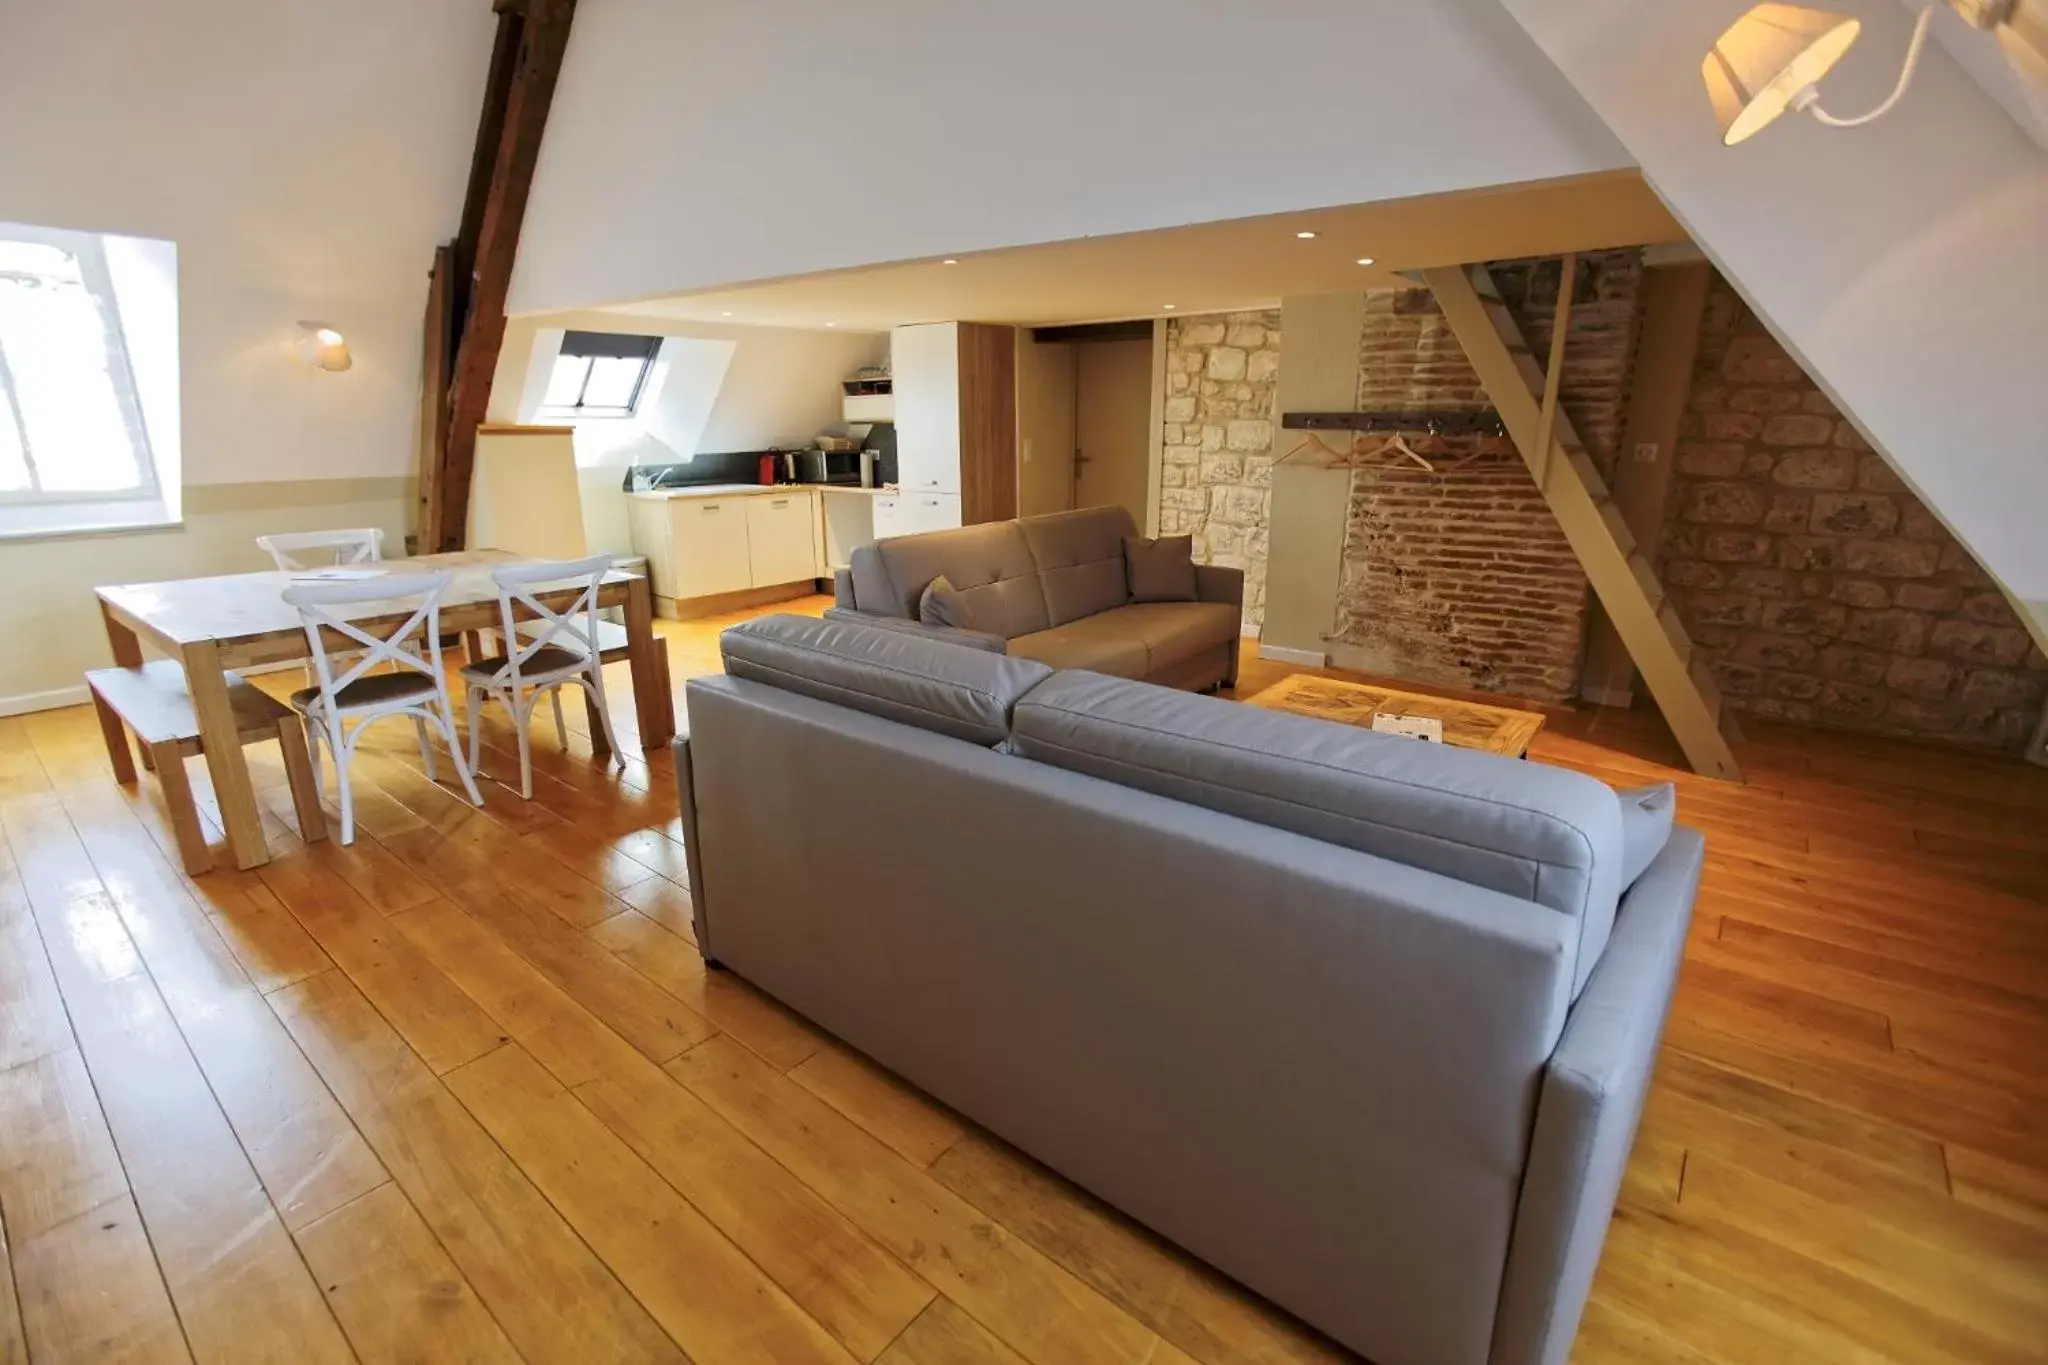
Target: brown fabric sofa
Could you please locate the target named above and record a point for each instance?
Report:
(1052, 588)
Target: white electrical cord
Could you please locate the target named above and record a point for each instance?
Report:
(1809, 98)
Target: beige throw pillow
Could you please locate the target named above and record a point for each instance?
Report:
(942, 605)
(1161, 570)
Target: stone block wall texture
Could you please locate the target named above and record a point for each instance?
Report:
(1821, 590)
(1462, 577)
(1217, 475)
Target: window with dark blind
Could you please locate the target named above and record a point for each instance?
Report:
(598, 374)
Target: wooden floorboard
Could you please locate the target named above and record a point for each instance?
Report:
(465, 1091)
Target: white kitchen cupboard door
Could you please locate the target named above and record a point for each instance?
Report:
(926, 363)
(892, 516)
(710, 554)
(782, 538)
(932, 511)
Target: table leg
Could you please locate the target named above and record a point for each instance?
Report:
(657, 710)
(207, 681)
(298, 770)
(121, 640)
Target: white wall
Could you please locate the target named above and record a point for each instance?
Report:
(304, 156)
(782, 136)
(1904, 263)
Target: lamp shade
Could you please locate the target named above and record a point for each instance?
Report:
(1766, 58)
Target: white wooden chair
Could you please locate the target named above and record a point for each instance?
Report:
(299, 550)
(547, 650)
(414, 687)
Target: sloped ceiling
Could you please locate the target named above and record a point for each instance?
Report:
(1905, 263)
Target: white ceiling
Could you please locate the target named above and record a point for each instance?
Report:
(1205, 268)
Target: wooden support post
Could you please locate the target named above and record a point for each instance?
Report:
(1553, 373)
(532, 36)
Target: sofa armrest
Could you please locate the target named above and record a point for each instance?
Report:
(1215, 583)
(972, 639)
(1586, 1115)
(842, 588)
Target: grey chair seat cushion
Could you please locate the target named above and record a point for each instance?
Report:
(1536, 832)
(951, 689)
(546, 659)
(370, 690)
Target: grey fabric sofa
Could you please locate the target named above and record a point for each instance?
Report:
(1363, 1022)
(1052, 588)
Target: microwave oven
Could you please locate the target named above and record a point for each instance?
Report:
(831, 466)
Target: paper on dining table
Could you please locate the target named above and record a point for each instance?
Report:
(335, 574)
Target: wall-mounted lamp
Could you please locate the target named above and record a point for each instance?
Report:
(323, 347)
(1773, 58)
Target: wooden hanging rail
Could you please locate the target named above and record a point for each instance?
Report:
(1446, 422)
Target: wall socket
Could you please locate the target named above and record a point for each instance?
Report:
(1647, 452)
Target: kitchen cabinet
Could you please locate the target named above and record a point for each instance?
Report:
(908, 514)
(955, 398)
(782, 537)
(702, 545)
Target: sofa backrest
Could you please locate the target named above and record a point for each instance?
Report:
(1532, 831)
(1017, 577)
(990, 564)
(1080, 559)
(955, 691)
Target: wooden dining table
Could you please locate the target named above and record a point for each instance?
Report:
(214, 625)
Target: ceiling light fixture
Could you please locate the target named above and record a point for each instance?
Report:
(949, 261)
(1305, 235)
(1365, 260)
(1167, 306)
(726, 314)
(1772, 59)
(831, 324)
(324, 348)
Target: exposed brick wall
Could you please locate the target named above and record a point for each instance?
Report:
(1462, 577)
(1217, 475)
(1820, 588)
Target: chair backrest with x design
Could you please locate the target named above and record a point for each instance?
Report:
(573, 627)
(314, 601)
(291, 550)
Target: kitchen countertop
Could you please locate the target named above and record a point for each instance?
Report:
(732, 490)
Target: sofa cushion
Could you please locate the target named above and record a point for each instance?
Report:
(1646, 817)
(1093, 643)
(990, 565)
(1080, 560)
(1173, 632)
(1540, 833)
(1161, 570)
(940, 604)
(956, 691)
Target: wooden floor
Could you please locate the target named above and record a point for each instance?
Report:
(465, 1092)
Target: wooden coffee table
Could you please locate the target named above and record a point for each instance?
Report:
(1469, 725)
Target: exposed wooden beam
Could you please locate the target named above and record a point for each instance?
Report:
(1553, 373)
(1591, 521)
(437, 354)
(527, 60)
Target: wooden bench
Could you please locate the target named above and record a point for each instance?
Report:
(152, 701)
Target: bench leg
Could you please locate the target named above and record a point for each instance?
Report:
(116, 736)
(170, 775)
(298, 769)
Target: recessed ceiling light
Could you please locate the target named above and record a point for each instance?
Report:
(831, 324)
(1305, 235)
(949, 261)
(1365, 260)
(1167, 306)
(726, 314)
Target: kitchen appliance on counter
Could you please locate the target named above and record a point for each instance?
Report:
(829, 466)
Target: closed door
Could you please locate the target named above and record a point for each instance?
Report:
(781, 538)
(710, 546)
(1113, 425)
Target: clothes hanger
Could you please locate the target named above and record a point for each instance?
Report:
(1398, 444)
(1330, 456)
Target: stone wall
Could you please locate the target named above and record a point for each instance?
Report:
(1462, 577)
(1820, 588)
(1217, 476)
